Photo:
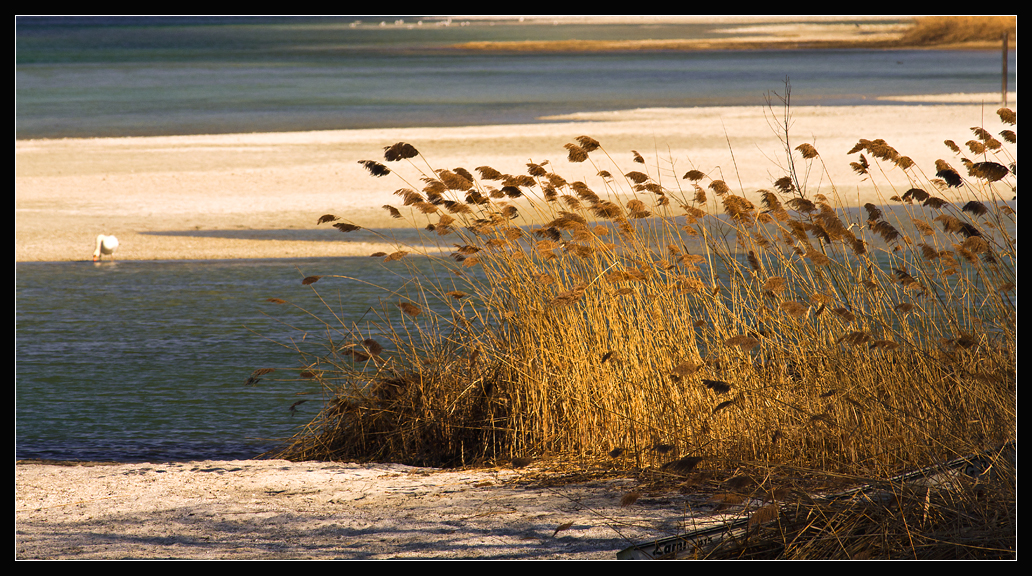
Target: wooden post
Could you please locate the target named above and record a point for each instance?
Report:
(1004, 96)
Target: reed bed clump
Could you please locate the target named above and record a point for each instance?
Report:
(657, 317)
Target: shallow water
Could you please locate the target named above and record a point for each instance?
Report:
(148, 360)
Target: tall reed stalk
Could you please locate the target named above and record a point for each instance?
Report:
(668, 319)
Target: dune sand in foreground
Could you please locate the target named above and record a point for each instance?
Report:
(211, 197)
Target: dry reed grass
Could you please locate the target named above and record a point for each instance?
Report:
(598, 324)
(939, 30)
(969, 517)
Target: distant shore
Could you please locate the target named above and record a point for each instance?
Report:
(758, 43)
(783, 33)
(164, 197)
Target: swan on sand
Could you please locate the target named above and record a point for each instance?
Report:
(105, 245)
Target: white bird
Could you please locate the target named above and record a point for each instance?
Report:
(105, 245)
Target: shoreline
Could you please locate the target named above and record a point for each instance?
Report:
(877, 42)
(167, 197)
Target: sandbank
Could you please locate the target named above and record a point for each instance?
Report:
(260, 195)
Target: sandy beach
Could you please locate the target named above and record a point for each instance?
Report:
(219, 196)
(273, 509)
(279, 510)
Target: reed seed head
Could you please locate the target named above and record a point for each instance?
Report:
(860, 167)
(488, 173)
(844, 314)
(807, 150)
(904, 162)
(915, 193)
(873, 212)
(637, 177)
(794, 309)
(686, 368)
(520, 180)
(684, 465)
(975, 207)
(802, 205)
(855, 338)
(947, 173)
(410, 309)
(719, 187)
(629, 498)
(982, 133)
(990, 171)
(817, 258)
(774, 284)
(637, 209)
(724, 404)
(512, 191)
(717, 386)
(454, 180)
(375, 168)
(744, 342)
(576, 153)
(399, 151)
(975, 146)
(588, 143)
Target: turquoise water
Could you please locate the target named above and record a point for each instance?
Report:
(147, 360)
(84, 77)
